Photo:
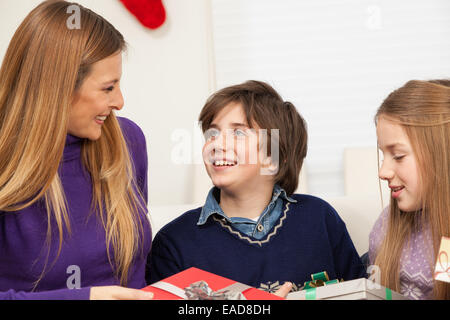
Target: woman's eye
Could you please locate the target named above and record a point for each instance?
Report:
(109, 89)
(239, 133)
(399, 157)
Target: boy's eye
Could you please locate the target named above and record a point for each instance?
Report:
(211, 133)
(239, 133)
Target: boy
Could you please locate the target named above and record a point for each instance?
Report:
(252, 228)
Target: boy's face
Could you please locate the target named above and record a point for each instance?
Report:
(231, 152)
(399, 165)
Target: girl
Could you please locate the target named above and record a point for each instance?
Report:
(73, 176)
(413, 129)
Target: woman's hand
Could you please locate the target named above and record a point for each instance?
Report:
(119, 293)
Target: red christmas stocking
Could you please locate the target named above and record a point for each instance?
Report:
(150, 13)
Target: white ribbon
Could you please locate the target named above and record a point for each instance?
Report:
(170, 288)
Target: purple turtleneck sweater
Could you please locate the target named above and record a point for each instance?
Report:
(83, 261)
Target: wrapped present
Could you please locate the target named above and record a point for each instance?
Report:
(197, 284)
(359, 289)
(442, 270)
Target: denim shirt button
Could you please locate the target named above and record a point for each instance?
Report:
(260, 227)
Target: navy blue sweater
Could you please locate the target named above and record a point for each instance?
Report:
(309, 237)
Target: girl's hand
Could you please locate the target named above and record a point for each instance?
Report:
(284, 290)
(118, 293)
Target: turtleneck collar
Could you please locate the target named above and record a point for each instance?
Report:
(72, 148)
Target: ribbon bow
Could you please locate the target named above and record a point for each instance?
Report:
(443, 262)
(201, 291)
(319, 280)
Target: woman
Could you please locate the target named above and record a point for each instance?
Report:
(73, 176)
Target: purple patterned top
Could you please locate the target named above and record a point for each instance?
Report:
(416, 275)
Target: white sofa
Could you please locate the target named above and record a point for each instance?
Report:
(359, 208)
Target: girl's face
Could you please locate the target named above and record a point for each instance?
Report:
(96, 98)
(231, 152)
(399, 166)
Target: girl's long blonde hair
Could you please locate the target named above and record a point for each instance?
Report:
(422, 108)
(46, 62)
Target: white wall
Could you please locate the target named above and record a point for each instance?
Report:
(166, 79)
(336, 60)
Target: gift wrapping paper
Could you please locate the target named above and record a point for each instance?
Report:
(173, 287)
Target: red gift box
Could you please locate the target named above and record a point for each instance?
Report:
(181, 280)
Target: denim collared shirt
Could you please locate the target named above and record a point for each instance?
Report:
(256, 229)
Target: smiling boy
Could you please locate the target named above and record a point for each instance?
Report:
(252, 228)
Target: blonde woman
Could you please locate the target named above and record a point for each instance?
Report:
(73, 176)
(413, 129)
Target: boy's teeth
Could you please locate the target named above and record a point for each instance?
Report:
(223, 163)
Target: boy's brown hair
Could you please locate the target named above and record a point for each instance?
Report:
(264, 107)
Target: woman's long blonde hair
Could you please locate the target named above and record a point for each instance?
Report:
(422, 108)
(46, 62)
